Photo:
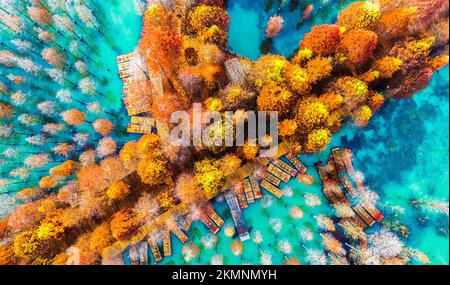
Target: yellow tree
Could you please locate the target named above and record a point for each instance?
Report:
(209, 174)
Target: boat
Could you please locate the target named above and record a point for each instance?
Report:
(209, 210)
(297, 163)
(329, 194)
(167, 244)
(337, 157)
(186, 223)
(208, 222)
(348, 186)
(125, 57)
(272, 179)
(240, 195)
(331, 169)
(143, 253)
(255, 186)
(280, 174)
(323, 174)
(155, 251)
(237, 215)
(180, 235)
(336, 189)
(285, 167)
(364, 215)
(248, 191)
(372, 210)
(272, 189)
(134, 255)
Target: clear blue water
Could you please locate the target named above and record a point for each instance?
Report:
(403, 152)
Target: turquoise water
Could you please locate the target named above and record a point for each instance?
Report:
(403, 152)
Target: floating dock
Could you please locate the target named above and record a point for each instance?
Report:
(209, 210)
(208, 222)
(297, 163)
(240, 195)
(237, 215)
(271, 189)
(323, 174)
(186, 223)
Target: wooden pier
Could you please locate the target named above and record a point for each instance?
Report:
(272, 179)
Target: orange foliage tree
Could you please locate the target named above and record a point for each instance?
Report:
(322, 40)
(123, 224)
(160, 32)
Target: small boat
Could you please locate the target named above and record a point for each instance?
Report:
(364, 215)
(255, 186)
(248, 191)
(297, 163)
(237, 215)
(307, 12)
(272, 179)
(155, 251)
(167, 244)
(272, 189)
(280, 174)
(143, 253)
(285, 167)
(209, 210)
(374, 212)
(240, 195)
(208, 222)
